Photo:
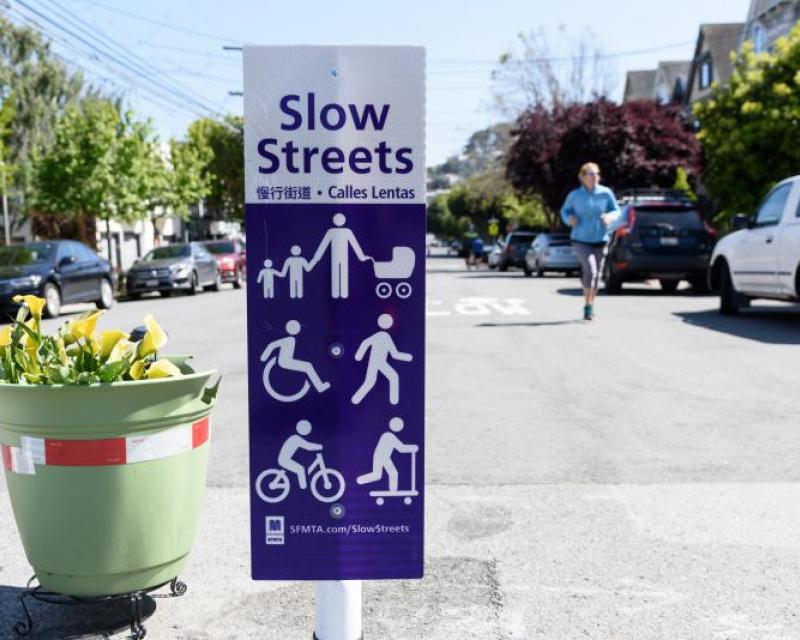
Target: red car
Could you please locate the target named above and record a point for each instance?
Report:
(231, 259)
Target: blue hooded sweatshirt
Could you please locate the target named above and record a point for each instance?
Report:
(588, 206)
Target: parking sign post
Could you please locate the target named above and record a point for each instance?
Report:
(337, 610)
(335, 218)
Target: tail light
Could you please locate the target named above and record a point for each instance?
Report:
(626, 230)
(710, 230)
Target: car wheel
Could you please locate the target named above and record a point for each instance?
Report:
(237, 282)
(52, 297)
(503, 267)
(669, 286)
(528, 273)
(165, 294)
(106, 300)
(539, 270)
(194, 284)
(730, 300)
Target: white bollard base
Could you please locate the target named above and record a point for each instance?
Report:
(337, 610)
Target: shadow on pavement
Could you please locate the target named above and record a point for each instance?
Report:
(770, 325)
(67, 622)
(549, 323)
(642, 291)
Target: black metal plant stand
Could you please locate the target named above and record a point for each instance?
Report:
(136, 599)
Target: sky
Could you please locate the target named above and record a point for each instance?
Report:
(167, 56)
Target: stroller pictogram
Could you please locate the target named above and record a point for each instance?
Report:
(400, 267)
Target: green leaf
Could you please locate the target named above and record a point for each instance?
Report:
(112, 370)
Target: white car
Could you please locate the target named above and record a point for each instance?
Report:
(761, 258)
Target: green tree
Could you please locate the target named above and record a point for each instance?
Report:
(489, 195)
(220, 146)
(749, 129)
(35, 88)
(102, 165)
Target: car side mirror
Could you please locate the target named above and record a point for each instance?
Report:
(66, 260)
(741, 221)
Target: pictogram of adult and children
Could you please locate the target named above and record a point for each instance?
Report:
(341, 244)
(328, 484)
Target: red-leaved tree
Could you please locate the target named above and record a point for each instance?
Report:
(636, 144)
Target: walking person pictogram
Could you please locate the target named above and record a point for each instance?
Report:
(380, 347)
(281, 353)
(339, 239)
(382, 463)
(326, 484)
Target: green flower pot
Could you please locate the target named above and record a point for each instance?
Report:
(107, 481)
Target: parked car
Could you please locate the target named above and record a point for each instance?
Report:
(516, 246)
(551, 252)
(60, 271)
(175, 267)
(761, 258)
(495, 252)
(662, 236)
(231, 260)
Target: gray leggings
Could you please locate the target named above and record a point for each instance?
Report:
(591, 260)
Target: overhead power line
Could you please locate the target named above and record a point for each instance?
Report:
(107, 48)
(157, 97)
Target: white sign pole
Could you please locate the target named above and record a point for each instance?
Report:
(338, 610)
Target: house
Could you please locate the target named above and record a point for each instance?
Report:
(711, 62)
(639, 85)
(768, 20)
(671, 80)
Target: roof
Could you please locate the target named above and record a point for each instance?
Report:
(760, 7)
(673, 74)
(718, 40)
(639, 85)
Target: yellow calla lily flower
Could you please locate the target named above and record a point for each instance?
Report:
(137, 370)
(83, 327)
(109, 339)
(153, 340)
(5, 336)
(28, 343)
(34, 303)
(162, 369)
(121, 349)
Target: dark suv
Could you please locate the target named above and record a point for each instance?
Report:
(517, 245)
(662, 236)
(60, 271)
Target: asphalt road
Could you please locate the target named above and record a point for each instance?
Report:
(632, 478)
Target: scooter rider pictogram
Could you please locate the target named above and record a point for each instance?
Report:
(326, 484)
(382, 464)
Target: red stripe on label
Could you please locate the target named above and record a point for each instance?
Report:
(200, 432)
(84, 453)
(5, 450)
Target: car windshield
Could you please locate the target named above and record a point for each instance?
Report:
(521, 238)
(170, 251)
(35, 253)
(220, 248)
(669, 219)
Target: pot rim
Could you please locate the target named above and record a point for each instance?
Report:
(119, 383)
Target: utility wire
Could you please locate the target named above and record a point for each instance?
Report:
(120, 61)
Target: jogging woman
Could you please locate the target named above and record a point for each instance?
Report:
(590, 210)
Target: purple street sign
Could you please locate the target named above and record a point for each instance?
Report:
(335, 218)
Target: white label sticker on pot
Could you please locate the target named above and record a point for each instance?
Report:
(33, 447)
(159, 445)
